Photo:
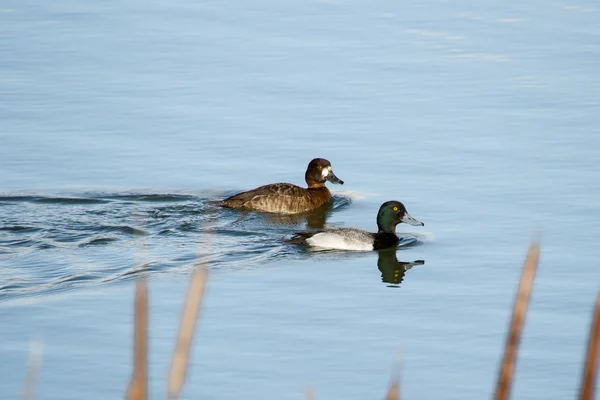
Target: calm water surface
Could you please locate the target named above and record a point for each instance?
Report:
(121, 126)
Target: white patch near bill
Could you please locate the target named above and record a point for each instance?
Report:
(326, 171)
(329, 240)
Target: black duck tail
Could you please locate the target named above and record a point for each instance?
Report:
(300, 237)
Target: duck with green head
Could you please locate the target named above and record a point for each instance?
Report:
(391, 213)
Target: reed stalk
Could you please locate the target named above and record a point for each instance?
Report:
(187, 326)
(508, 365)
(590, 372)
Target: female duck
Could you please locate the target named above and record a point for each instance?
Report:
(390, 214)
(287, 198)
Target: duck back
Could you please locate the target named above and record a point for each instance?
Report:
(279, 198)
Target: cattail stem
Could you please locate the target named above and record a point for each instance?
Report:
(507, 368)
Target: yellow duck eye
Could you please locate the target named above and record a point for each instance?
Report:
(395, 208)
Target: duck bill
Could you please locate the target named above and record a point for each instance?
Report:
(334, 179)
(411, 221)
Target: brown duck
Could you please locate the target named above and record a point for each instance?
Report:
(286, 198)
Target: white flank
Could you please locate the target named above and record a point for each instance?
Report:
(331, 240)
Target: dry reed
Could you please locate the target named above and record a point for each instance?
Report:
(34, 363)
(310, 393)
(507, 368)
(138, 387)
(189, 316)
(394, 390)
(588, 381)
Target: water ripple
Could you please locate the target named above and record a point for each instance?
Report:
(67, 242)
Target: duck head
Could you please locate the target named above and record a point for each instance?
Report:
(318, 172)
(392, 213)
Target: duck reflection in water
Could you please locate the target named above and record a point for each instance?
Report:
(392, 270)
(314, 219)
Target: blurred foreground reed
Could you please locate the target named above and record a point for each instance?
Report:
(138, 387)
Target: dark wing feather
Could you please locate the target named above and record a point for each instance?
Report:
(277, 197)
(275, 188)
(300, 237)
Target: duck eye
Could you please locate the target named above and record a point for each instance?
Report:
(395, 208)
(319, 167)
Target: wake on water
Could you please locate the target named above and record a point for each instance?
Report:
(55, 243)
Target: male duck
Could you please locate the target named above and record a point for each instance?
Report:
(390, 214)
(286, 198)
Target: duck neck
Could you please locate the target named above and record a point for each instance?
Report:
(386, 228)
(319, 192)
(315, 185)
(384, 240)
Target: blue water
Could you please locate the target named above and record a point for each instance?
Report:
(122, 124)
